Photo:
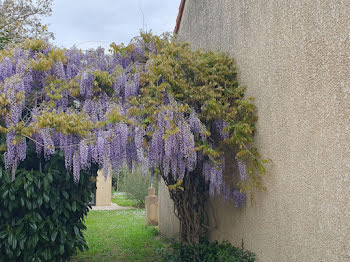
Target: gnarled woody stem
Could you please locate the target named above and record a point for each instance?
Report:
(189, 206)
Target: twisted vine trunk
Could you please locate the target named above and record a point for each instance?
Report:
(189, 206)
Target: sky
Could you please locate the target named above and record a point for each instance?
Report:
(92, 23)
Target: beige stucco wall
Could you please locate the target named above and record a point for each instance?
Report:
(167, 222)
(103, 189)
(294, 56)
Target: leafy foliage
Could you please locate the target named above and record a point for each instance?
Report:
(200, 130)
(204, 84)
(136, 185)
(208, 252)
(42, 213)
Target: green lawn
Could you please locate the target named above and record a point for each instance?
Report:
(120, 235)
(121, 200)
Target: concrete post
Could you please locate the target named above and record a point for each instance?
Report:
(151, 205)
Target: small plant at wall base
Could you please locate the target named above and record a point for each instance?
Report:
(207, 252)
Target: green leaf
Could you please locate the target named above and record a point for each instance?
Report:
(29, 176)
(40, 201)
(19, 229)
(53, 236)
(76, 230)
(46, 184)
(44, 236)
(3, 234)
(46, 198)
(33, 226)
(21, 244)
(61, 249)
(10, 239)
(35, 239)
(14, 242)
(49, 176)
(65, 194)
(4, 195)
(42, 224)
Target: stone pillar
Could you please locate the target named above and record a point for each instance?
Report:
(103, 189)
(151, 204)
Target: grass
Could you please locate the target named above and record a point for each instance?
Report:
(120, 235)
(122, 200)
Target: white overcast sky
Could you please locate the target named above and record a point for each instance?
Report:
(92, 23)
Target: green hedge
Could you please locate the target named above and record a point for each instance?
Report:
(42, 213)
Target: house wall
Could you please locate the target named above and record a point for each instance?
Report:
(168, 223)
(294, 56)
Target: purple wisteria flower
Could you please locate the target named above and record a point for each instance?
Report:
(170, 145)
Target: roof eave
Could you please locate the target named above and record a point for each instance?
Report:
(179, 16)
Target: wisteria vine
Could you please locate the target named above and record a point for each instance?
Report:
(95, 106)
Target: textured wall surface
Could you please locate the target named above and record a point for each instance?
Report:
(168, 224)
(294, 56)
(103, 189)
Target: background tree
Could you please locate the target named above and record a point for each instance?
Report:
(21, 19)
